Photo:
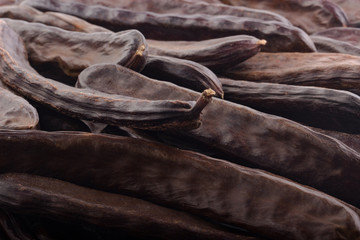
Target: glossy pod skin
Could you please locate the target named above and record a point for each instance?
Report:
(252, 138)
(216, 54)
(248, 198)
(16, 112)
(329, 70)
(91, 105)
(280, 36)
(329, 45)
(188, 7)
(313, 106)
(181, 72)
(55, 19)
(309, 15)
(74, 51)
(63, 201)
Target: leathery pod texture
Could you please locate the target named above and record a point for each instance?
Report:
(246, 136)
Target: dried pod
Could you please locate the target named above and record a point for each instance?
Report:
(63, 201)
(215, 54)
(252, 138)
(329, 45)
(280, 36)
(329, 70)
(88, 104)
(61, 20)
(309, 15)
(184, 73)
(313, 106)
(74, 51)
(228, 193)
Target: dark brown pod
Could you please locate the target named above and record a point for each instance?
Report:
(182, 72)
(63, 201)
(74, 51)
(252, 138)
(254, 200)
(309, 15)
(16, 112)
(280, 36)
(215, 54)
(188, 7)
(351, 9)
(61, 20)
(348, 35)
(89, 104)
(313, 106)
(329, 70)
(329, 45)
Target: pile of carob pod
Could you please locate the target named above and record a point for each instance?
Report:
(180, 119)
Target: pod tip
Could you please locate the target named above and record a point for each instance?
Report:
(208, 93)
(262, 42)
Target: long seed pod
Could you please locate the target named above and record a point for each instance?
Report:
(251, 199)
(63, 201)
(74, 51)
(280, 36)
(89, 104)
(215, 54)
(16, 112)
(181, 72)
(329, 70)
(61, 20)
(249, 137)
(329, 45)
(309, 15)
(313, 106)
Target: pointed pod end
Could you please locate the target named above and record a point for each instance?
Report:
(208, 94)
(262, 42)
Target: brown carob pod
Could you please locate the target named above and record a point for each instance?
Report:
(55, 19)
(349, 35)
(16, 112)
(252, 138)
(329, 70)
(329, 45)
(251, 199)
(280, 36)
(309, 15)
(215, 54)
(313, 106)
(182, 72)
(351, 8)
(89, 104)
(74, 51)
(188, 7)
(63, 201)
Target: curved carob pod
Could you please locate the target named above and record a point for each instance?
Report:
(313, 106)
(63, 201)
(61, 20)
(181, 72)
(280, 36)
(188, 7)
(74, 51)
(215, 54)
(309, 15)
(329, 45)
(252, 138)
(16, 112)
(329, 70)
(251, 199)
(89, 104)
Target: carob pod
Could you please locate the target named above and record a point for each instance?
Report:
(61, 20)
(63, 201)
(188, 7)
(313, 106)
(280, 36)
(252, 138)
(182, 72)
(89, 104)
(351, 8)
(329, 70)
(16, 112)
(349, 35)
(251, 199)
(74, 51)
(309, 15)
(215, 54)
(329, 45)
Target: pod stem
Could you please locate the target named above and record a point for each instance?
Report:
(203, 100)
(261, 42)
